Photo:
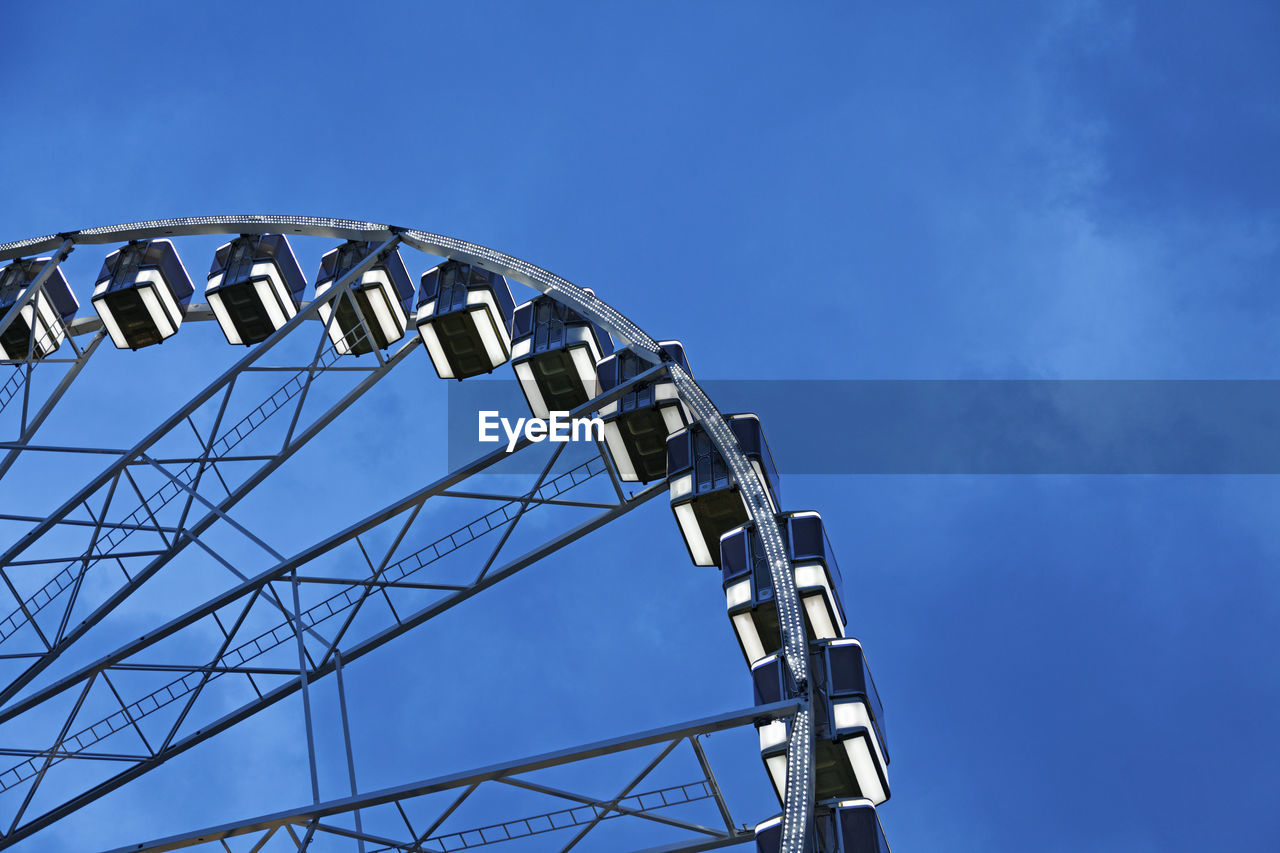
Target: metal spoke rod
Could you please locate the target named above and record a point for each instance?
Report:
(68, 576)
(175, 745)
(797, 813)
(473, 778)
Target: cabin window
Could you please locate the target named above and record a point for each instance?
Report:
(768, 685)
(710, 471)
(678, 455)
(806, 539)
(549, 329)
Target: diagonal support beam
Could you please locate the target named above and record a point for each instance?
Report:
(33, 289)
(612, 808)
(409, 502)
(705, 725)
(35, 421)
(235, 659)
(174, 420)
(721, 804)
(797, 809)
(122, 593)
(631, 786)
(322, 669)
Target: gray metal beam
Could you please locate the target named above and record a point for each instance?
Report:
(434, 244)
(64, 247)
(605, 809)
(699, 846)
(321, 669)
(346, 599)
(493, 772)
(33, 423)
(191, 533)
(798, 808)
(135, 456)
(29, 425)
(218, 384)
(343, 229)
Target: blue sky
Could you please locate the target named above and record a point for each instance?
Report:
(926, 190)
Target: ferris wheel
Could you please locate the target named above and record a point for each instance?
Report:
(89, 704)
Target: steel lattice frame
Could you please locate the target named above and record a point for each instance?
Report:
(277, 587)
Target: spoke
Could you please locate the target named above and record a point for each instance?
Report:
(110, 529)
(128, 716)
(204, 679)
(469, 781)
(32, 297)
(711, 782)
(24, 613)
(187, 684)
(520, 511)
(613, 474)
(303, 668)
(645, 807)
(213, 508)
(742, 837)
(346, 739)
(618, 807)
(33, 424)
(612, 804)
(531, 498)
(444, 815)
(48, 757)
(206, 447)
(321, 350)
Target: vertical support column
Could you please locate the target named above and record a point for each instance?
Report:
(303, 681)
(346, 737)
(30, 426)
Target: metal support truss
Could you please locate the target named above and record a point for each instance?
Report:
(20, 376)
(325, 634)
(128, 513)
(798, 809)
(289, 828)
(34, 289)
(21, 379)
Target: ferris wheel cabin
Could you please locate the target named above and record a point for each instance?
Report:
(839, 826)
(704, 497)
(554, 352)
(748, 583)
(464, 317)
(378, 301)
(254, 287)
(142, 293)
(637, 426)
(850, 753)
(41, 325)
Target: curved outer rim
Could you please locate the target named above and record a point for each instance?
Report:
(800, 771)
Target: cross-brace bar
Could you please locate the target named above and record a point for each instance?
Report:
(493, 772)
